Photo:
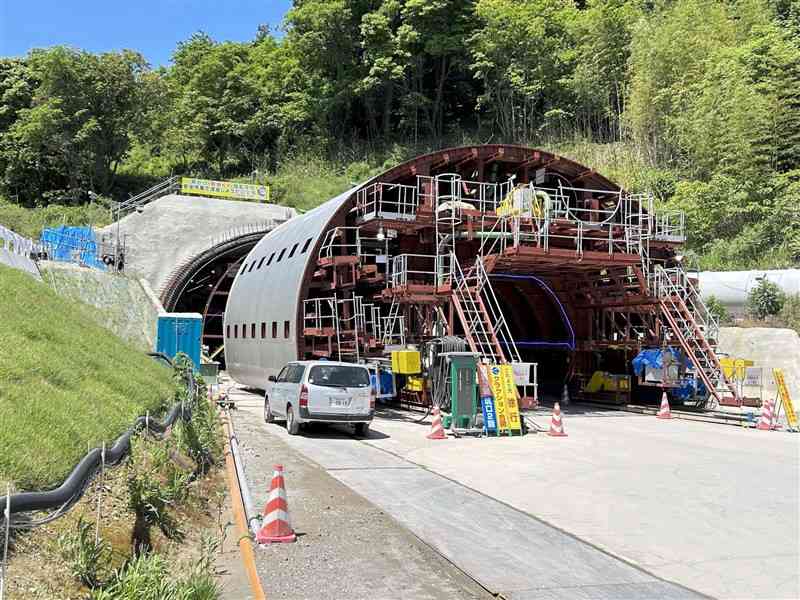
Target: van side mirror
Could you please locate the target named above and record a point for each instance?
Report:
(272, 378)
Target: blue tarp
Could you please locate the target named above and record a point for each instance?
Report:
(652, 357)
(72, 244)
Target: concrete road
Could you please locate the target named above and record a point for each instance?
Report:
(347, 547)
(627, 506)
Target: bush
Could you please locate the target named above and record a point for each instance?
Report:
(765, 300)
(718, 310)
(155, 484)
(790, 312)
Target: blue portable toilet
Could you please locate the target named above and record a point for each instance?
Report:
(180, 332)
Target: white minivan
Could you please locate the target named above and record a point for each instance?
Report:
(320, 391)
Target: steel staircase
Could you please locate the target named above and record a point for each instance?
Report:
(485, 327)
(693, 327)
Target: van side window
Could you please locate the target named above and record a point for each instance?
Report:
(296, 374)
(283, 373)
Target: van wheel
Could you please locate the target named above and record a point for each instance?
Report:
(362, 429)
(292, 426)
(268, 416)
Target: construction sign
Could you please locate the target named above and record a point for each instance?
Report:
(224, 189)
(501, 380)
(783, 394)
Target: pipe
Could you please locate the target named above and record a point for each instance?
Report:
(252, 517)
(246, 548)
(72, 488)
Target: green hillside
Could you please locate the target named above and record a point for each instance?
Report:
(65, 382)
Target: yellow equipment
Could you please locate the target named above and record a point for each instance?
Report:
(783, 395)
(601, 381)
(406, 362)
(414, 383)
(735, 368)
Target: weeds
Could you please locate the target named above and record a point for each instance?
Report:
(155, 484)
(83, 554)
(146, 577)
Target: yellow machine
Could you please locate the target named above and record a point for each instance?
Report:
(602, 381)
(406, 362)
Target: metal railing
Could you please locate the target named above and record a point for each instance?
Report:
(387, 201)
(168, 186)
(420, 269)
(319, 313)
(341, 241)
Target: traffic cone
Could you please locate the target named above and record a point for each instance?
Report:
(765, 422)
(664, 412)
(275, 525)
(556, 427)
(437, 430)
(565, 395)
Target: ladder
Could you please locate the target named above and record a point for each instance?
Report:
(485, 326)
(393, 326)
(693, 327)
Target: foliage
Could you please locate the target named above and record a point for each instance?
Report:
(696, 100)
(765, 300)
(718, 310)
(146, 577)
(66, 375)
(789, 315)
(200, 437)
(30, 221)
(155, 484)
(84, 555)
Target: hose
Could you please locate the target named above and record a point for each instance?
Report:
(71, 490)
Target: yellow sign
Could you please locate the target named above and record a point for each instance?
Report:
(501, 380)
(735, 368)
(783, 393)
(224, 189)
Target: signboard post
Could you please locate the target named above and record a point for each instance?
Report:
(501, 380)
(783, 395)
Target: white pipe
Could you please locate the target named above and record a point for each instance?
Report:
(732, 288)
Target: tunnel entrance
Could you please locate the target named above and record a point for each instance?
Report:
(202, 285)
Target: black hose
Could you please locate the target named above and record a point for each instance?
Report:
(72, 489)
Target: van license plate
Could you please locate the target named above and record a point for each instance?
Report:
(340, 402)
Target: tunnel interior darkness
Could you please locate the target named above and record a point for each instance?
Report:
(202, 286)
(539, 324)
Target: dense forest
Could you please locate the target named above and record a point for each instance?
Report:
(696, 100)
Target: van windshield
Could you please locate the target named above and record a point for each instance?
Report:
(338, 376)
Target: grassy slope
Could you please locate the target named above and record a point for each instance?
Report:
(65, 382)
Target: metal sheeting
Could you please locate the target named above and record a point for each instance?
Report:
(15, 252)
(271, 293)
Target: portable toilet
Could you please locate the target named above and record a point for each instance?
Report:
(180, 332)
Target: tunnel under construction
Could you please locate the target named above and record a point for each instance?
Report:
(512, 254)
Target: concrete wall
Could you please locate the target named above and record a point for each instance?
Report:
(174, 228)
(119, 303)
(770, 349)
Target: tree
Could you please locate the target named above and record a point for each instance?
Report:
(765, 300)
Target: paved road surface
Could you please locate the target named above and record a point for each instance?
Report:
(640, 507)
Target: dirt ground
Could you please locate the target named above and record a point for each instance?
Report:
(347, 547)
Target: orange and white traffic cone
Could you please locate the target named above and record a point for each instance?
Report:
(765, 422)
(437, 430)
(664, 412)
(275, 525)
(556, 426)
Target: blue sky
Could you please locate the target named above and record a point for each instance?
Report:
(152, 27)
